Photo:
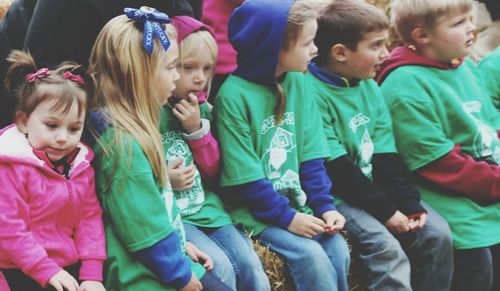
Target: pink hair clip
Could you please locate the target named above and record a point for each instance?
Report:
(32, 77)
(73, 77)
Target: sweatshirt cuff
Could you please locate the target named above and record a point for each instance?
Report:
(411, 207)
(185, 278)
(319, 210)
(286, 218)
(42, 271)
(204, 130)
(91, 269)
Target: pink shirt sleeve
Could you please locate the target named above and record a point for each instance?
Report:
(90, 238)
(16, 239)
(205, 149)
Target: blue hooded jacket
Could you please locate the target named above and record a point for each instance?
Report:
(256, 31)
(257, 35)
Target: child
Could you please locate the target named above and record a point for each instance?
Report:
(445, 128)
(193, 159)
(134, 65)
(272, 154)
(51, 232)
(367, 173)
(490, 69)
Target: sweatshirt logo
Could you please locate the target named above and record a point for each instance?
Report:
(268, 123)
(358, 120)
(485, 144)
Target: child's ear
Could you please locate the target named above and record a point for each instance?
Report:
(339, 52)
(420, 36)
(22, 122)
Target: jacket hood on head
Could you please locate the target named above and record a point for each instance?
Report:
(185, 25)
(256, 30)
(404, 56)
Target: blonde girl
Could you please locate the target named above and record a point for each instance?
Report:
(134, 63)
(193, 159)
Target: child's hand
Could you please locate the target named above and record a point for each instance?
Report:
(306, 225)
(193, 285)
(334, 222)
(198, 256)
(418, 222)
(92, 286)
(188, 113)
(398, 223)
(62, 280)
(180, 177)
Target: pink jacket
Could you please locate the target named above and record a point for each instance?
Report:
(216, 14)
(47, 221)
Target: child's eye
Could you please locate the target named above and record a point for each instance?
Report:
(188, 67)
(51, 125)
(208, 68)
(461, 21)
(74, 129)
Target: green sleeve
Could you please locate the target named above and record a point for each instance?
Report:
(419, 135)
(241, 164)
(133, 203)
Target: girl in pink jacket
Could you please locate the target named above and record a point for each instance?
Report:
(51, 231)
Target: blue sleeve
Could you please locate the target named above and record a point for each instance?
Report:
(317, 185)
(265, 204)
(166, 260)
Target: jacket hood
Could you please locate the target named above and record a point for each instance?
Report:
(404, 56)
(185, 25)
(14, 146)
(256, 30)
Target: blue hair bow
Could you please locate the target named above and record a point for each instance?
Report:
(152, 19)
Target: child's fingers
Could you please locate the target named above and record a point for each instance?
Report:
(193, 100)
(178, 114)
(176, 163)
(191, 251)
(189, 170)
(183, 107)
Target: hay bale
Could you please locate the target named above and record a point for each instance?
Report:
(279, 276)
(275, 268)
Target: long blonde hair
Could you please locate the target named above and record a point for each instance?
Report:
(125, 81)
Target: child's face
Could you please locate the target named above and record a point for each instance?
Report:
(301, 52)
(55, 133)
(364, 62)
(168, 73)
(195, 70)
(452, 37)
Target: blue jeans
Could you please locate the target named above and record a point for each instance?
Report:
(235, 261)
(477, 269)
(319, 264)
(417, 261)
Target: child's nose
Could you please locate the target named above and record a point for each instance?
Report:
(200, 77)
(385, 53)
(62, 136)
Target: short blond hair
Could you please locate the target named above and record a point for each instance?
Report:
(406, 15)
